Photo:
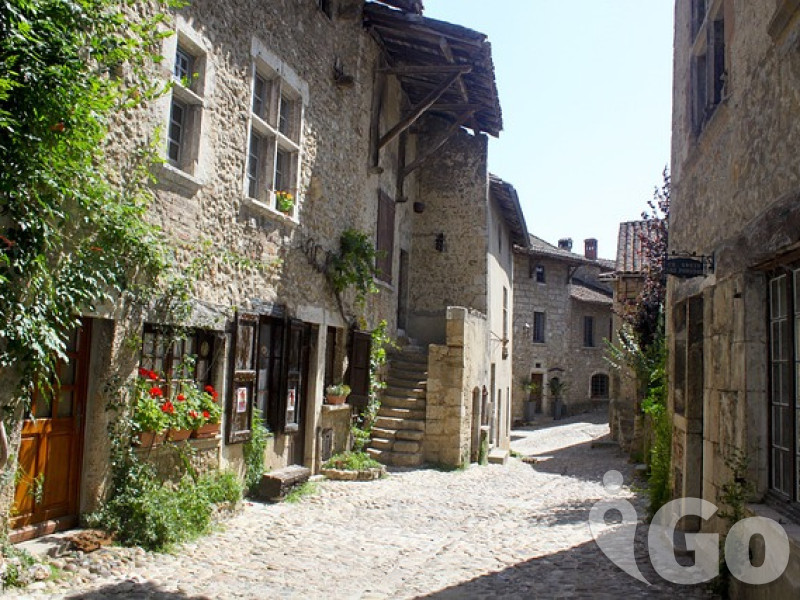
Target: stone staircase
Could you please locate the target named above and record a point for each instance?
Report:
(400, 425)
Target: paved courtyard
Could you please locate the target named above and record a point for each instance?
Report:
(502, 531)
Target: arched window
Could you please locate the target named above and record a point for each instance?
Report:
(600, 386)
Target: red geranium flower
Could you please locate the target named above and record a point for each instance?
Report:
(215, 395)
(181, 397)
(168, 408)
(193, 414)
(143, 372)
(153, 375)
(209, 389)
(206, 414)
(156, 392)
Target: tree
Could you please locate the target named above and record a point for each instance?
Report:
(74, 227)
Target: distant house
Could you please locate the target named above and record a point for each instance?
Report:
(562, 319)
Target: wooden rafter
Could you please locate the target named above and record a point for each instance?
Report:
(419, 109)
(448, 54)
(427, 69)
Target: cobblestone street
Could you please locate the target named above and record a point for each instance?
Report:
(514, 531)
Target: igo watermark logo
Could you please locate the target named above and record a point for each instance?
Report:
(617, 540)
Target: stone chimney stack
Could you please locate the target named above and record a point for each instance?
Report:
(565, 244)
(590, 248)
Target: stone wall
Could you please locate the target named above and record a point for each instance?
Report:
(455, 370)
(735, 195)
(453, 185)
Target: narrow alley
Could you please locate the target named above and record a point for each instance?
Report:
(501, 531)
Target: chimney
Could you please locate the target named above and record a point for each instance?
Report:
(565, 244)
(590, 249)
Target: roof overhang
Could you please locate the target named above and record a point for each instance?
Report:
(435, 60)
(508, 203)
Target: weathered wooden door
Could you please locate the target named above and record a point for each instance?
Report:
(47, 493)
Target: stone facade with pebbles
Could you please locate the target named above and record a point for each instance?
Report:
(321, 100)
(733, 352)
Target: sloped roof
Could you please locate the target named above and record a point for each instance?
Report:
(420, 50)
(508, 201)
(630, 255)
(589, 295)
(538, 247)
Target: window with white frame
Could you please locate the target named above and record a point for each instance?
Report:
(273, 158)
(186, 106)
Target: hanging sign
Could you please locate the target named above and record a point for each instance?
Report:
(686, 267)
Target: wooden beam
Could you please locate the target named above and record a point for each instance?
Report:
(418, 110)
(425, 69)
(448, 54)
(434, 147)
(459, 108)
(378, 88)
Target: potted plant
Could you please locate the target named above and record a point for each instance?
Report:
(284, 202)
(207, 423)
(337, 393)
(557, 389)
(149, 419)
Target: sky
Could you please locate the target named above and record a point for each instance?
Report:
(586, 92)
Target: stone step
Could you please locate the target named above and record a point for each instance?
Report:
(386, 434)
(498, 456)
(397, 424)
(406, 384)
(416, 354)
(406, 447)
(404, 392)
(276, 484)
(409, 434)
(404, 402)
(382, 456)
(409, 365)
(406, 460)
(381, 443)
(407, 375)
(401, 413)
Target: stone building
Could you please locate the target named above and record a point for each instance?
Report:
(733, 346)
(625, 418)
(562, 317)
(360, 111)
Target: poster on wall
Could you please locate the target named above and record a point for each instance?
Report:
(291, 402)
(241, 399)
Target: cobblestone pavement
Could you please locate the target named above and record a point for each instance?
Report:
(501, 531)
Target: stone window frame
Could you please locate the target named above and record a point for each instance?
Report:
(599, 386)
(189, 73)
(276, 117)
(540, 274)
(539, 328)
(709, 77)
(163, 349)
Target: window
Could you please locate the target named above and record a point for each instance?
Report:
(540, 274)
(325, 7)
(505, 339)
(274, 147)
(600, 386)
(164, 352)
(538, 328)
(784, 361)
(385, 237)
(588, 332)
(708, 71)
(186, 106)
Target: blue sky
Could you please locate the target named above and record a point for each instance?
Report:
(586, 92)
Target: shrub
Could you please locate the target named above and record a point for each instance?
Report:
(352, 461)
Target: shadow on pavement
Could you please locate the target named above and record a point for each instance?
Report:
(130, 590)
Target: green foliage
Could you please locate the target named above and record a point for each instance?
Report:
(148, 512)
(309, 488)
(352, 461)
(75, 232)
(736, 492)
(655, 407)
(284, 202)
(253, 451)
(338, 389)
(17, 561)
(362, 428)
(354, 266)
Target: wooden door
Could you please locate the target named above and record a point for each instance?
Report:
(47, 494)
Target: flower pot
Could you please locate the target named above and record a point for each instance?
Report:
(331, 399)
(148, 439)
(209, 430)
(178, 435)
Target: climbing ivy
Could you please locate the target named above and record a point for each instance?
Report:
(362, 428)
(354, 265)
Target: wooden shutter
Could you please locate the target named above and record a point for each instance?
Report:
(289, 408)
(277, 382)
(385, 245)
(242, 370)
(358, 369)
